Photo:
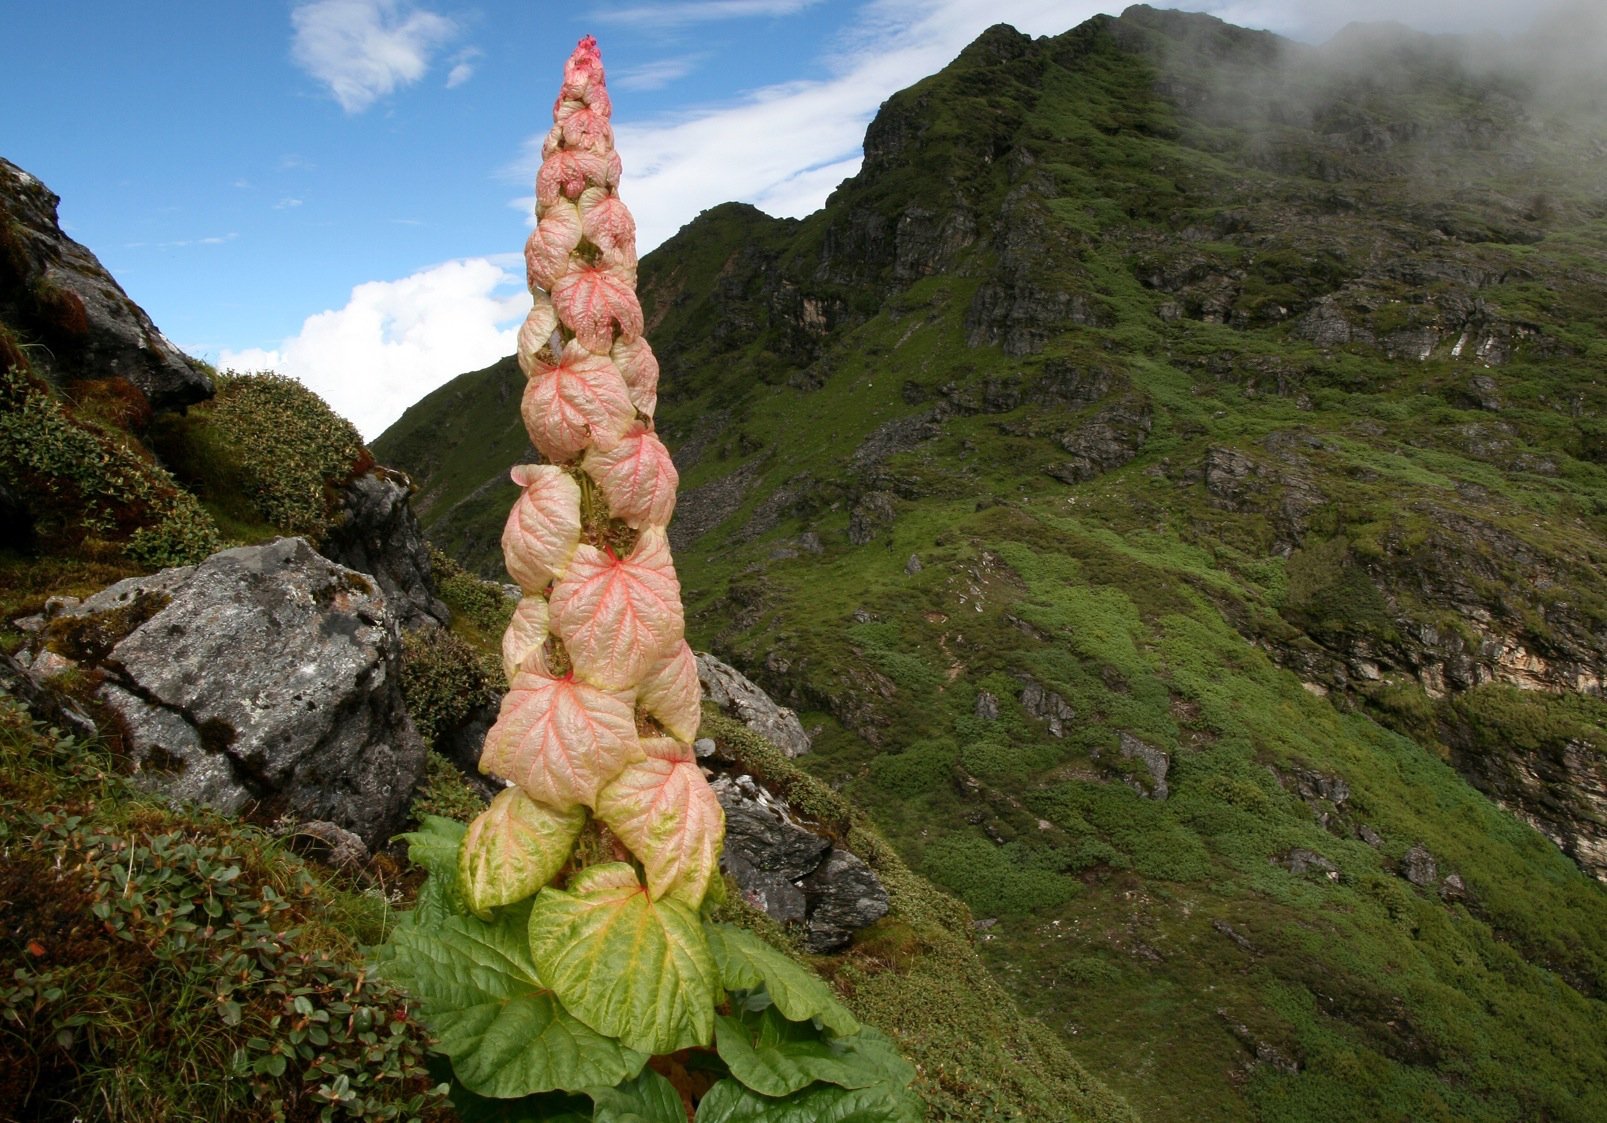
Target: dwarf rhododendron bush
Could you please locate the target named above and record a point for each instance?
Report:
(560, 945)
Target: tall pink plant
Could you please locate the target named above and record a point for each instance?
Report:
(603, 698)
(584, 959)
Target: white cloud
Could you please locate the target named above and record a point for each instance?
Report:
(395, 341)
(784, 147)
(655, 75)
(462, 67)
(287, 203)
(364, 49)
(698, 11)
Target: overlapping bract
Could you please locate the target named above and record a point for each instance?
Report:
(603, 694)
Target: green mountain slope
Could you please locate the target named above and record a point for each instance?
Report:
(1170, 476)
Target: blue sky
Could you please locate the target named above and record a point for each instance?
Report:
(340, 189)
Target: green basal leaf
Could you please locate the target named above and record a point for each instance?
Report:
(746, 963)
(549, 1107)
(434, 847)
(777, 1057)
(625, 964)
(513, 848)
(437, 900)
(505, 1032)
(730, 1102)
(648, 1099)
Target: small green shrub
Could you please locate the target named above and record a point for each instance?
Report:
(444, 793)
(81, 480)
(444, 680)
(920, 768)
(270, 441)
(995, 879)
(169, 965)
(477, 604)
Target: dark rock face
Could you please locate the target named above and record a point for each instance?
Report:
(847, 896)
(1048, 707)
(56, 290)
(1300, 862)
(374, 531)
(45, 705)
(873, 514)
(1560, 790)
(734, 693)
(1026, 302)
(265, 679)
(791, 873)
(1109, 438)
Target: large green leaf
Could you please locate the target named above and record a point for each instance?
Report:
(776, 1057)
(549, 1107)
(505, 1032)
(746, 963)
(730, 1102)
(513, 848)
(434, 847)
(648, 1099)
(625, 964)
(437, 900)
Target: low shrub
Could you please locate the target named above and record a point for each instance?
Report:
(173, 966)
(443, 681)
(80, 480)
(267, 440)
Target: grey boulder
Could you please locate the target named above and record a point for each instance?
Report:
(265, 680)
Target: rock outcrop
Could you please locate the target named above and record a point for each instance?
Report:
(792, 873)
(265, 680)
(1560, 790)
(734, 693)
(56, 291)
(374, 531)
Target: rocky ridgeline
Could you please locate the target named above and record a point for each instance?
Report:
(55, 291)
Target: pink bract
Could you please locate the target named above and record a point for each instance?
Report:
(579, 401)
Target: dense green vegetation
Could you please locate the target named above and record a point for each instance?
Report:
(170, 964)
(1237, 405)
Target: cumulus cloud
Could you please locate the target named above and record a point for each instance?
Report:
(395, 341)
(784, 147)
(364, 49)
